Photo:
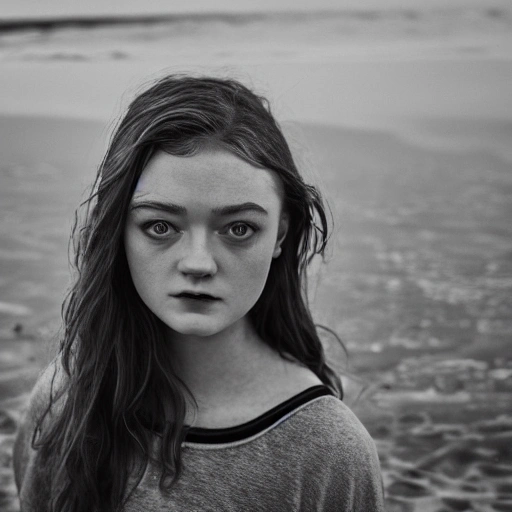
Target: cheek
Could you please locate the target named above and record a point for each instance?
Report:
(251, 273)
(141, 263)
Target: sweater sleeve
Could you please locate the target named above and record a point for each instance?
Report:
(362, 478)
(28, 472)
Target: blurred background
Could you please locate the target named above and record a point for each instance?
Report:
(401, 111)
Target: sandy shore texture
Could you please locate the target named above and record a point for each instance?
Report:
(403, 118)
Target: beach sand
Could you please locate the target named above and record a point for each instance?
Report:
(409, 139)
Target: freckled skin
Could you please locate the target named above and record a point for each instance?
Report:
(201, 252)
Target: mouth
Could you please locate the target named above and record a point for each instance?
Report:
(196, 296)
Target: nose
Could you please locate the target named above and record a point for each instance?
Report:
(197, 259)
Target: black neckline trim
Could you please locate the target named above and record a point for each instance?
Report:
(257, 425)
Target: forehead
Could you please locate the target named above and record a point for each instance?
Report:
(214, 177)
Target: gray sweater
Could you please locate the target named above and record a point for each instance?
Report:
(309, 454)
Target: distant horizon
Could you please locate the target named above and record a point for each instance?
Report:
(19, 10)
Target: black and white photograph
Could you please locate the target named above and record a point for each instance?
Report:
(256, 256)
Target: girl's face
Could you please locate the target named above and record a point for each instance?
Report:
(200, 236)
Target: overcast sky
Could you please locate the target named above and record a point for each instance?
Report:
(52, 8)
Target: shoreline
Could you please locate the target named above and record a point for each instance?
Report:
(232, 6)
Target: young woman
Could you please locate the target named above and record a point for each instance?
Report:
(190, 375)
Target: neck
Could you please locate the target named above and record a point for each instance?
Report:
(220, 367)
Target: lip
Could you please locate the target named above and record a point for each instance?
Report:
(195, 295)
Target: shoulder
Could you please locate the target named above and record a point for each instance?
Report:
(46, 390)
(339, 455)
(335, 430)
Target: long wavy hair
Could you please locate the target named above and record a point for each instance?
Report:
(118, 381)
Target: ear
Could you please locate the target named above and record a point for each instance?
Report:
(284, 222)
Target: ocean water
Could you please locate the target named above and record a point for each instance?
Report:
(264, 37)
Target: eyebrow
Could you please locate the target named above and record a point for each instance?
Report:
(175, 209)
(237, 208)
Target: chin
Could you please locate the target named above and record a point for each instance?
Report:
(195, 328)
